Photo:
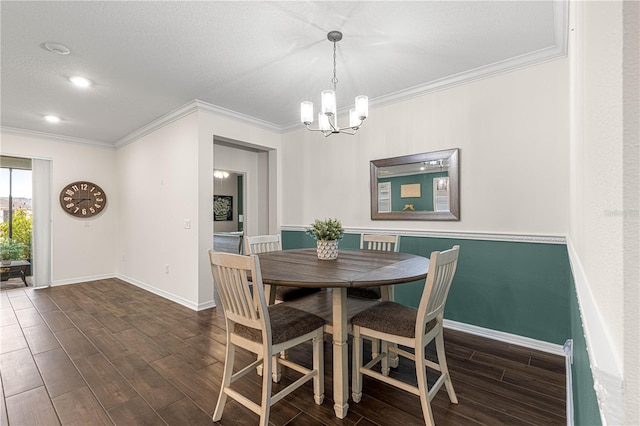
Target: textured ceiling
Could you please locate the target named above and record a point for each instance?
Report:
(259, 59)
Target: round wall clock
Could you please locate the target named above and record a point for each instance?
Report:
(82, 199)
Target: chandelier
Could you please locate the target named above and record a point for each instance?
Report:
(328, 117)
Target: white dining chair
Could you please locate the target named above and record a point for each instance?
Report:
(266, 243)
(412, 328)
(264, 330)
(381, 242)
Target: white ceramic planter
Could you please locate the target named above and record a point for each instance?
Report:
(327, 250)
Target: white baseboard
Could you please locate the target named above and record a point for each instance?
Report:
(501, 336)
(170, 296)
(81, 280)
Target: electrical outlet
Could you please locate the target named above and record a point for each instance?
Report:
(187, 224)
(166, 269)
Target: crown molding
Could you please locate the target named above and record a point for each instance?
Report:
(188, 108)
(58, 138)
(517, 238)
(214, 109)
(158, 123)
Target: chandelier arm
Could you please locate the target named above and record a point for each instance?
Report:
(324, 132)
(347, 132)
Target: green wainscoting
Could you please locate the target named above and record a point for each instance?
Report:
(513, 287)
(585, 402)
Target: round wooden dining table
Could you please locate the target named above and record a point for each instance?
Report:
(352, 268)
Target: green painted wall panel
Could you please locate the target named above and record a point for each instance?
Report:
(518, 288)
(585, 403)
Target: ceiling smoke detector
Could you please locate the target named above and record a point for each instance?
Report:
(56, 48)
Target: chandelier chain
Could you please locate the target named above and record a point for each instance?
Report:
(334, 80)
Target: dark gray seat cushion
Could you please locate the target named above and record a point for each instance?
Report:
(365, 292)
(286, 323)
(391, 318)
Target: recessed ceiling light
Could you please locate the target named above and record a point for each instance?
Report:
(57, 48)
(52, 118)
(80, 81)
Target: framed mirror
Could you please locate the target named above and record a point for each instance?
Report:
(416, 187)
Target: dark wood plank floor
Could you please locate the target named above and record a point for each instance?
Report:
(106, 352)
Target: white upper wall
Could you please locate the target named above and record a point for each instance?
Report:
(512, 131)
(83, 249)
(158, 191)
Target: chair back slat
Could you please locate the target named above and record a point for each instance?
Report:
(379, 242)
(262, 244)
(241, 304)
(442, 268)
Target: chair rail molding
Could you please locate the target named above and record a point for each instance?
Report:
(460, 235)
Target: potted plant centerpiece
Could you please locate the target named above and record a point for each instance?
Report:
(327, 233)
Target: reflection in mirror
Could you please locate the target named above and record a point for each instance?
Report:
(416, 187)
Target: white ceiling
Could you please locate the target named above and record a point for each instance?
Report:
(259, 59)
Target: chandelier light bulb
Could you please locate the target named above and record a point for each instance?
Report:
(306, 112)
(362, 106)
(328, 102)
(323, 122)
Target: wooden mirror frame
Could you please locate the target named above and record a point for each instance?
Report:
(454, 186)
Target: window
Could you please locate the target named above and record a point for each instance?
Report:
(15, 201)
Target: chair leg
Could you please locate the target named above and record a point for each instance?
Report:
(259, 368)
(277, 372)
(421, 372)
(442, 361)
(375, 348)
(318, 365)
(394, 358)
(265, 405)
(356, 380)
(226, 380)
(384, 367)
